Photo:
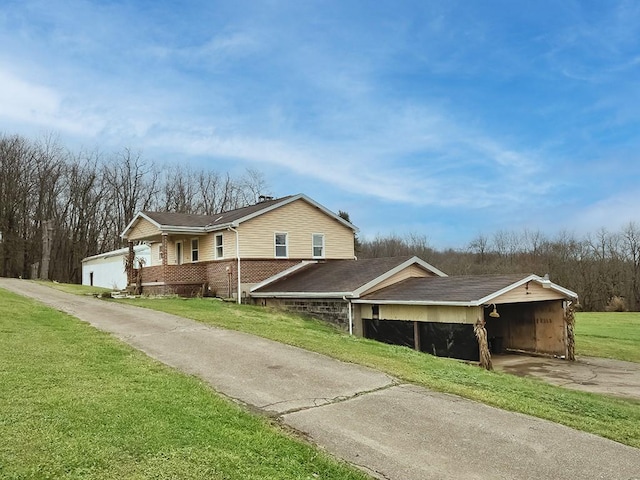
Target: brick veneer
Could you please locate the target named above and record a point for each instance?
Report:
(214, 273)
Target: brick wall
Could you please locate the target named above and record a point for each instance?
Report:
(214, 273)
(255, 271)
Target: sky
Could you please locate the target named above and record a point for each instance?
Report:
(446, 119)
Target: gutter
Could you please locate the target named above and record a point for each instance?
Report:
(350, 314)
(238, 256)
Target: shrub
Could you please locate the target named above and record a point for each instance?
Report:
(616, 304)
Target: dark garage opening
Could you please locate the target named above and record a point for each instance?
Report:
(394, 332)
(453, 340)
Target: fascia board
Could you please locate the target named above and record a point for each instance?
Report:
(428, 266)
(291, 199)
(508, 288)
(407, 263)
(282, 274)
(135, 220)
(417, 302)
(170, 229)
(301, 294)
(530, 278)
(116, 253)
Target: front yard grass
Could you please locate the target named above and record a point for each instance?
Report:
(609, 334)
(75, 403)
(75, 288)
(614, 418)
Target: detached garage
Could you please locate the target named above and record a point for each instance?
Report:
(437, 315)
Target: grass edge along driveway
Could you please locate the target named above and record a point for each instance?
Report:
(609, 417)
(77, 403)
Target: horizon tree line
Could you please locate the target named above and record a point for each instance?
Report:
(58, 206)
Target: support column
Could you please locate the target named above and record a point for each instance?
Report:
(164, 253)
(570, 322)
(130, 259)
(416, 336)
(483, 344)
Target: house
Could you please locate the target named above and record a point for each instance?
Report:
(228, 253)
(406, 301)
(293, 253)
(108, 269)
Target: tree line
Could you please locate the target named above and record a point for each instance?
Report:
(602, 267)
(58, 206)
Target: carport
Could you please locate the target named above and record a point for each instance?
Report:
(437, 315)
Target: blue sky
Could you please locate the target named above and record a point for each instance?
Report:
(442, 118)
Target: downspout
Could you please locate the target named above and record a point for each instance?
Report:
(238, 256)
(350, 314)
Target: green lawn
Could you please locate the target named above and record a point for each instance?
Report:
(75, 288)
(75, 403)
(602, 415)
(610, 335)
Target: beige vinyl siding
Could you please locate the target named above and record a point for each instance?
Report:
(534, 293)
(411, 271)
(155, 254)
(205, 248)
(299, 220)
(142, 229)
(422, 313)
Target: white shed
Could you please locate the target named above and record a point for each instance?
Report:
(107, 269)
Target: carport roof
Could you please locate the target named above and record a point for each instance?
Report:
(455, 290)
(336, 277)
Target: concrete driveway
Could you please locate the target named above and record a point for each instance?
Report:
(391, 430)
(589, 374)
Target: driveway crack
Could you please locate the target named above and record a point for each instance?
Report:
(332, 401)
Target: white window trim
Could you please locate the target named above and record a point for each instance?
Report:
(286, 245)
(216, 246)
(196, 250)
(313, 245)
(179, 258)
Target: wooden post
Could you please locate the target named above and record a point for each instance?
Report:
(416, 336)
(570, 322)
(130, 259)
(483, 344)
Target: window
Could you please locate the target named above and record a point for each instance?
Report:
(219, 246)
(195, 243)
(318, 245)
(281, 245)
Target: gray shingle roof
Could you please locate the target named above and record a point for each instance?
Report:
(187, 220)
(334, 276)
(445, 289)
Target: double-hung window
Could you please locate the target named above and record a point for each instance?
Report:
(281, 246)
(219, 246)
(318, 245)
(195, 243)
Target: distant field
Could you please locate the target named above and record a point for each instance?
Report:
(609, 335)
(75, 403)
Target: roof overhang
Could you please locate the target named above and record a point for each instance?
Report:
(488, 299)
(301, 294)
(544, 282)
(390, 273)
